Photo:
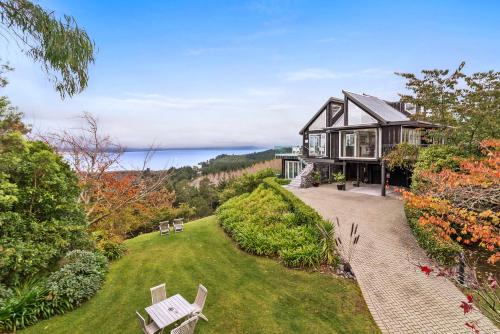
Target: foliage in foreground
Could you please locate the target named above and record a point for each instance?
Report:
(40, 218)
(463, 205)
(63, 48)
(444, 251)
(271, 221)
(75, 282)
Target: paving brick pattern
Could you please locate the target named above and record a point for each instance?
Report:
(399, 296)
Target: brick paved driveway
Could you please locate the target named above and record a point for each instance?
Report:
(400, 297)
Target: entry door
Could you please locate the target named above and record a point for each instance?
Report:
(292, 169)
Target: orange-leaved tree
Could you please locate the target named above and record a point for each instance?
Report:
(463, 205)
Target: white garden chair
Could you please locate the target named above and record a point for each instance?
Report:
(199, 302)
(158, 293)
(150, 328)
(187, 327)
(178, 225)
(164, 228)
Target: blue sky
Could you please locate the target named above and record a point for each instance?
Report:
(237, 73)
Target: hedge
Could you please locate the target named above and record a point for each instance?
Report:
(271, 221)
(305, 214)
(444, 252)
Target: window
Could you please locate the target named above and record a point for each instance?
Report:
(411, 136)
(367, 141)
(339, 121)
(317, 144)
(356, 115)
(348, 140)
(319, 123)
(359, 143)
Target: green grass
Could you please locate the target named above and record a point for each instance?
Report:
(246, 294)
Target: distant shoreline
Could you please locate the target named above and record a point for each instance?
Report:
(198, 148)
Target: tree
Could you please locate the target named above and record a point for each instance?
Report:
(40, 217)
(64, 50)
(468, 106)
(94, 156)
(464, 205)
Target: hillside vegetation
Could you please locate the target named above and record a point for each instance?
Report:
(225, 162)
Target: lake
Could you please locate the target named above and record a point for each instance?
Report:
(166, 158)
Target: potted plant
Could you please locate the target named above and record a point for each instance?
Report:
(340, 180)
(316, 178)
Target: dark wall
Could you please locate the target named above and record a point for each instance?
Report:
(334, 145)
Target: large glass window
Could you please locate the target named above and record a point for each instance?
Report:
(359, 143)
(356, 115)
(412, 136)
(317, 144)
(319, 123)
(367, 144)
(348, 143)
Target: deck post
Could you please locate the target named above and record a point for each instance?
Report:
(382, 190)
(344, 167)
(358, 166)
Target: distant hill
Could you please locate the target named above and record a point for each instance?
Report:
(226, 163)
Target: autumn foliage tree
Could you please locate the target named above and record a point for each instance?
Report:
(463, 205)
(115, 201)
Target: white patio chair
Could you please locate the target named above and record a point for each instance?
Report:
(150, 328)
(158, 293)
(164, 228)
(187, 327)
(199, 302)
(178, 225)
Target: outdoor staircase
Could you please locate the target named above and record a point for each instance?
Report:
(303, 180)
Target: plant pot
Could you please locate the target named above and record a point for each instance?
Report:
(348, 269)
(315, 184)
(355, 184)
(340, 186)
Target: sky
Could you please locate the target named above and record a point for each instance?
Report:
(178, 74)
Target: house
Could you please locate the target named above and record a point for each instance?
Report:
(351, 135)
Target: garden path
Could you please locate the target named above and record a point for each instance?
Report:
(401, 298)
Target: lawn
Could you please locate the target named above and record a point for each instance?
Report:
(246, 294)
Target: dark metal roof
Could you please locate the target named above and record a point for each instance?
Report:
(331, 99)
(378, 107)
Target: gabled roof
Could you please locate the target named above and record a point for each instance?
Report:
(331, 99)
(378, 107)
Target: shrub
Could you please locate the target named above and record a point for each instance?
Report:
(40, 217)
(283, 182)
(445, 252)
(79, 278)
(244, 184)
(112, 249)
(435, 158)
(25, 305)
(271, 221)
(305, 215)
(403, 156)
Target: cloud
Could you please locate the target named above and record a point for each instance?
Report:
(316, 73)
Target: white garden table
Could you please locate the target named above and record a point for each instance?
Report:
(169, 310)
